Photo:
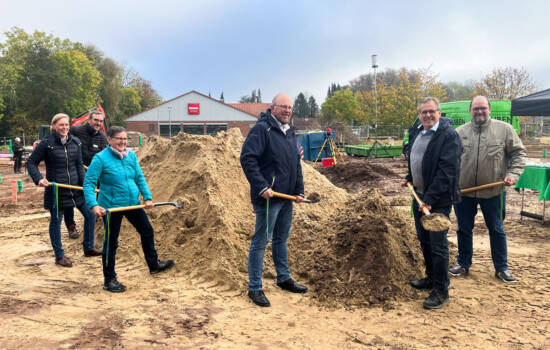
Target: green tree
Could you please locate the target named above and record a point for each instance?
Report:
(129, 105)
(259, 96)
(459, 92)
(342, 107)
(41, 75)
(300, 108)
(221, 97)
(398, 103)
(312, 107)
(79, 78)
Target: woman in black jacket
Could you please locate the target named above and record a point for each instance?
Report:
(62, 154)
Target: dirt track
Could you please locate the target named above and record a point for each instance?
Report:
(45, 306)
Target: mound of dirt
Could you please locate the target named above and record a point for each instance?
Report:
(354, 176)
(367, 256)
(353, 250)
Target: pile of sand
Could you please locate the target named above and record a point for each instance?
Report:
(350, 250)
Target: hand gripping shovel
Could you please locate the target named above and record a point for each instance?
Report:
(176, 204)
(431, 221)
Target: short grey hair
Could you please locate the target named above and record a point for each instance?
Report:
(115, 130)
(429, 99)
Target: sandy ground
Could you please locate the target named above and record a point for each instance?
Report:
(46, 306)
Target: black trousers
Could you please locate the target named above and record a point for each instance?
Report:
(138, 218)
(17, 162)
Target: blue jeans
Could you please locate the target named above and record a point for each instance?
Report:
(55, 229)
(435, 249)
(491, 209)
(280, 220)
(138, 218)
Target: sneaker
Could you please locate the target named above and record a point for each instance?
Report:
(423, 283)
(436, 299)
(114, 286)
(73, 232)
(457, 270)
(505, 276)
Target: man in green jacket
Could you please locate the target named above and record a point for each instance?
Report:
(492, 151)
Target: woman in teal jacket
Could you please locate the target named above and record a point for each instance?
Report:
(121, 181)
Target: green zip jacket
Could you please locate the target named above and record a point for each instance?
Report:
(491, 152)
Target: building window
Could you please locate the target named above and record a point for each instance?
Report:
(164, 130)
(195, 129)
(151, 127)
(212, 130)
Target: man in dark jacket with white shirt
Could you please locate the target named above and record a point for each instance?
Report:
(434, 165)
(93, 141)
(271, 162)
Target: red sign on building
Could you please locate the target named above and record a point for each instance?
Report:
(193, 108)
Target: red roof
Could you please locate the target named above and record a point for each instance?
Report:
(251, 108)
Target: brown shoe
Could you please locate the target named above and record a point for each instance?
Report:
(63, 261)
(92, 252)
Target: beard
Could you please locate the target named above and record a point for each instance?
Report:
(480, 120)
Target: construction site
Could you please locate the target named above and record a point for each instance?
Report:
(355, 247)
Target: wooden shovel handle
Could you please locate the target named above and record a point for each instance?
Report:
(282, 195)
(424, 209)
(72, 187)
(482, 187)
(131, 207)
(286, 196)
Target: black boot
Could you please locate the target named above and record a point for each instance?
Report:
(258, 297)
(292, 286)
(161, 266)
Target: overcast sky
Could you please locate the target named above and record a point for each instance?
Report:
(295, 46)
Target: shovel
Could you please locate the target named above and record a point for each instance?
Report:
(431, 221)
(286, 196)
(71, 187)
(176, 204)
(482, 187)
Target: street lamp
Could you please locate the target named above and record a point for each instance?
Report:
(169, 122)
(374, 66)
(375, 144)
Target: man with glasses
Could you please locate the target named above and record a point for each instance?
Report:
(271, 162)
(434, 165)
(492, 152)
(93, 141)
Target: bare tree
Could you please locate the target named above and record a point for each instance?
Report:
(505, 84)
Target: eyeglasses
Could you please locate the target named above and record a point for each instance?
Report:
(121, 138)
(479, 109)
(288, 108)
(429, 111)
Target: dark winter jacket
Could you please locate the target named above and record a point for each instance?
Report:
(271, 159)
(93, 141)
(17, 149)
(63, 165)
(440, 165)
